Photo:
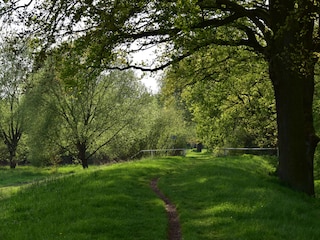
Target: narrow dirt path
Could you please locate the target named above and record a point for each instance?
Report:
(174, 229)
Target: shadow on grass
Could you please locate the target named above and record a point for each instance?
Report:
(235, 198)
(217, 198)
(18, 176)
(115, 202)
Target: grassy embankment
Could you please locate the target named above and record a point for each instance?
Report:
(217, 198)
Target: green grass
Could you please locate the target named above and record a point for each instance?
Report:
(12, 180)
(217, 198)
(235, 198)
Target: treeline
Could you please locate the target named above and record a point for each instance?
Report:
(227, 93)
(61, 110)
(64, 111)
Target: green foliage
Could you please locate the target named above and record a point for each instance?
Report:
(15, 66)
(80, 106)
(229, 95)
(133, 138)
(285, 33)
(169, 129)
(155, 127)
(42, 122)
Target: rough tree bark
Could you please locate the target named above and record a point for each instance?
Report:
(296, 135)
(291, 67)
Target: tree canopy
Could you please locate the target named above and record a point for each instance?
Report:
(13, 80)
(109, 26)
(229, 95)
(284, 33)
(85, 109)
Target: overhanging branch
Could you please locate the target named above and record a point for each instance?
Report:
(148, 69)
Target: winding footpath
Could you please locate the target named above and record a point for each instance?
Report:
(174, 228)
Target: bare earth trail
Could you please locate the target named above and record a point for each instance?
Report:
(174, 228)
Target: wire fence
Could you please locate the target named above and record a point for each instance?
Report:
(218, 151)
(260, 151)
(161, 152)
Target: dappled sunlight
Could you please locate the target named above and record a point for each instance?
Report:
(216, 198)
(228, 209)
(237, 195)
(6, 192)
(115, 201)
(201, 180)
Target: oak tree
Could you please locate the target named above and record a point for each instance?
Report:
(285, 33)
(229, 96)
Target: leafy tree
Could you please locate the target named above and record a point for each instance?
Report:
(169, 130)
(284, 33)
(157, 126)
(91, 107)
(43, 124)
(14, 67)
(229, 95)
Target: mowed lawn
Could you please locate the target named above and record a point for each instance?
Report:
(217, 198)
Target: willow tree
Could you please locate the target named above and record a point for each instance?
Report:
(284, 33)
(14, 68)
(85, 110)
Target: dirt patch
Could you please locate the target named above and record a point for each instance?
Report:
(174, 228)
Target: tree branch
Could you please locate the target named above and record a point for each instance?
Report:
(14, 7)
(258, 15)
(108, 141)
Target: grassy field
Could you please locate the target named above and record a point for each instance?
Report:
(217, 198)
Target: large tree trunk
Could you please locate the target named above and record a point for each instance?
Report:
(296, 135)
(291, 66)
